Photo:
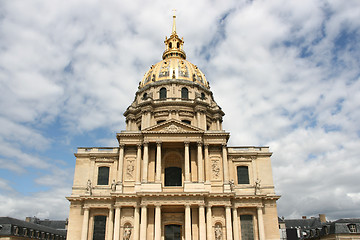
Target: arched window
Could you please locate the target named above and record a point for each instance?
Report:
(99, 227)
(170, 45)
(178, 45)
(145, 96)
(163, 93)
(173, 176)
(203, 96)
(184, 93)
(103, 176)
(243, 175)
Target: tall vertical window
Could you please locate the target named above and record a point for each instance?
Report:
(163, 93)
(247, 228)
(173, 176)
(103, 176)
(243, 175)
(184, 93)
(99, 227)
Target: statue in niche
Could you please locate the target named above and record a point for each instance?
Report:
(89, 187)
(127, 233)
(257, 186)
(113, 185)
(218, 232)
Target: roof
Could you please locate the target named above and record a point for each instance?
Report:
(24, 224)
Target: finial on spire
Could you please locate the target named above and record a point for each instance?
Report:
(174, 23)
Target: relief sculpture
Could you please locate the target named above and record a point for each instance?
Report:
(215, 168)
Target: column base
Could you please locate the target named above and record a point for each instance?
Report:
(151, 187)
(227, 188)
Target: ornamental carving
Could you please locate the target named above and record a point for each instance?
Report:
(130, 169)
(173, 128)
(215, 168)
(242, 158)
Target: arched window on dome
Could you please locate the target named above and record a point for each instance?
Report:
(170, 45)
(163, 93)
(178, 45)
(184, 93)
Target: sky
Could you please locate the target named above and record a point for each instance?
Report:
(285, 72)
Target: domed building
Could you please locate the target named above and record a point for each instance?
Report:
(173, 175)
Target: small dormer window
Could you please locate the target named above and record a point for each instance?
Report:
(202, 96)
(145, 96)
(186, 121)
(170, 45)
(178, 45)
(352, 228)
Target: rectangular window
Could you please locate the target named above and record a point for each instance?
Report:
(99, 227)
(103, 176)
(243, 175)
(247, 228)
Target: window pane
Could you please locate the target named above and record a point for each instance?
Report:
(163, 93)
(99, 227)
(247, 228)
(103, 176)
(243, 175)
(184, 93)
(173, 176)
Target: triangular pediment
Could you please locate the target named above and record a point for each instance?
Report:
(173, 126)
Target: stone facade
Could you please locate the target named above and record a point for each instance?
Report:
(173, 175)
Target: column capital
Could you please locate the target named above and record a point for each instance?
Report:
(122, 145)
(224, 144)
(206, 145)
(158, 143)
(146, 143)
(86, 207)
(157, 205)
(186, 143)
(199, 143)
(139, 145)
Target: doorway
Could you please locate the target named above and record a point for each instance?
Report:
(172, 232)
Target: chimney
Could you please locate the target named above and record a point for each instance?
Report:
(303, 217)
(322, 218)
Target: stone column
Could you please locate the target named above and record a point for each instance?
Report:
(200, 163)
(207, 163)
(110, 230)
(136, 222)
(225, 164)
(202, 228)
(187, 222)
(187, 162)
(236, 229)
(158, 162)
(143, 225)
(145, 162)
(85, 224)
(209, 229)
(228, 223)
(157, 222)
(121, 163)
(260, 223)
(138, 163)
(117, 223)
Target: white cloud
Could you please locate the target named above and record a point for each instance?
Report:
(69, 69)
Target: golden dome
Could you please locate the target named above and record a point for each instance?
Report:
(174, 65)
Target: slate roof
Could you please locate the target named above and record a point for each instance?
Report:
(8, 222)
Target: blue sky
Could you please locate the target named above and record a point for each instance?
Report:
(286, 74)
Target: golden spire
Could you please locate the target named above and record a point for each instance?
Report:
(174, 23)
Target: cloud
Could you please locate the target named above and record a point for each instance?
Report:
(285, 73)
